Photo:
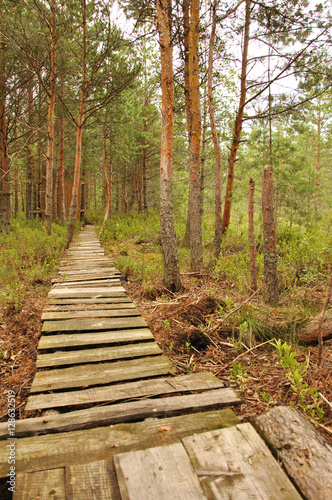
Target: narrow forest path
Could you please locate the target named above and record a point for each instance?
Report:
(117, 422)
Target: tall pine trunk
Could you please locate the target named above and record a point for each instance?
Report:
(4, 161)
(214, 133)
(168, 237)
(107, 188)
(237, 125)
(50, 122)
(30, 158)
(196, 248)
(252, 247)
(78, 147)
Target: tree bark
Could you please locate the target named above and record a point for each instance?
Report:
(62, 199)
(168, 237)
(252, 247)
(15, 191)
(107, 189)
(305, 454)
(196, 248)
(4, 171)
(30, 160)
(50, 122)
(78, 147)
(214, 133)
(310, 332)
(237, 125)
(318, 168)
(270, 239)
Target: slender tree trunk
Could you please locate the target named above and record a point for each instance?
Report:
(318, 175)
(30, 159)
(124, 190)
(4, 171)
(78, 148)
(50, 122)
(186, 23)
(110, 213)
(237, 125)
(270, 240)
(168, 237)
(62, 199)
(88, 190)
(15, 191)
(117, 193)
(252, 246)
(203, 156)
(214, 133)
(196, 248)
(107, 190)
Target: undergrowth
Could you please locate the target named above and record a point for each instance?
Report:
(28, 258)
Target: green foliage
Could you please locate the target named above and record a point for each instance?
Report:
(28, 258)
(239, 375)
(308, 397)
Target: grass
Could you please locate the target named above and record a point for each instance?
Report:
(29, 257)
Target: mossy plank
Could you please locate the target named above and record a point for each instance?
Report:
(91, 314)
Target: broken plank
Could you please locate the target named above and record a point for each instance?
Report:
(61, 358)
(304, 452)
(127, 391)
(124, 412)
(95, 338)
(43, 485)
(90, 481)
(72, 448)
(93, 313)
(232, 460)
(101, 374)
(91, 324)
(164, 472)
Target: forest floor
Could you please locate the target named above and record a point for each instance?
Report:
(188, 329)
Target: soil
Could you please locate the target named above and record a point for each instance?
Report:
(188, 329)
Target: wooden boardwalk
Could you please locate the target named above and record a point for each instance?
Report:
(117, 421)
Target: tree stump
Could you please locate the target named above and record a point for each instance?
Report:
(305, 454)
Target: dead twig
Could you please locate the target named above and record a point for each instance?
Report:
(246, 352)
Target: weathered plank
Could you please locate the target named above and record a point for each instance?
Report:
(127, 391)
(62, 358)
(61, 450)
(95, 283)
(88, 300)
(44, 485)
(124, 412)
(96, 338)
(93, 324)
(88, 307)
(164, 472)
(236, 463)
(91, 314)
(304, 452)
(88, 277)
(87, 375)
(114, 291)
(90, 481)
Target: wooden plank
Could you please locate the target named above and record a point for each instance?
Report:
(43, 485)
(127, 391)
(91, 324)
(93, 313)
(98, 283)
(157, 473)
(112, 291)
(62, 358)
(305, 454)
(88, 307)
(236, 463)
(123, 412)
(96, 338)
(90, 481)
(88, 300)
(88, 277)
(70, 448)
(87, 375)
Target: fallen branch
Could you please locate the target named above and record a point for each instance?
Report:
(326, 400)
